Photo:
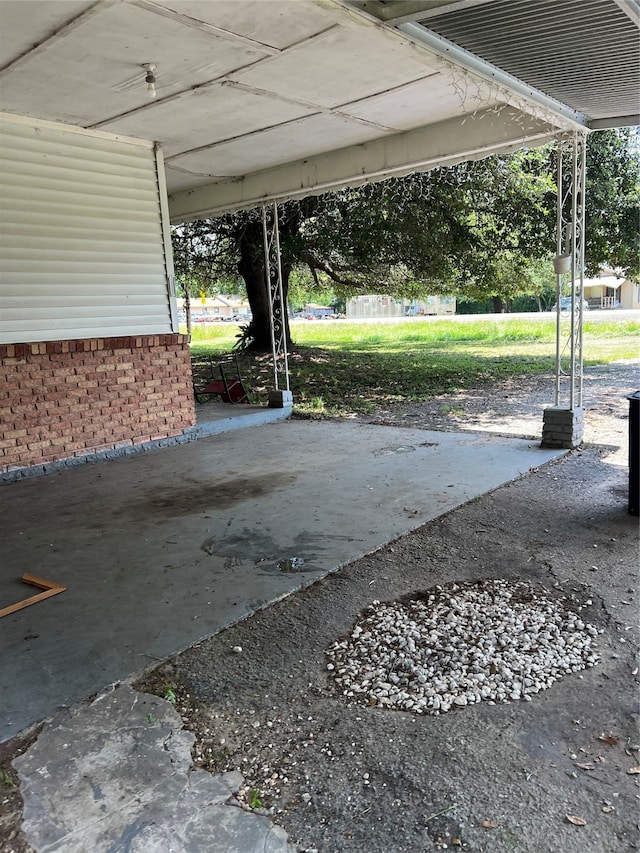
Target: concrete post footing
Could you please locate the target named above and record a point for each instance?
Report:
(563, 428)
(280, 399)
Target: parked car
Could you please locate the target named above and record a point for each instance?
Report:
(565, 304)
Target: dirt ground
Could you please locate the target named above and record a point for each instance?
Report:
(552, 774)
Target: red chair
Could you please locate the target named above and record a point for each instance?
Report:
(229, 389)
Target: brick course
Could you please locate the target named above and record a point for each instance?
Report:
(60, 399)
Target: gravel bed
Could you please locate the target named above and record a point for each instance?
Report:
(493, 640)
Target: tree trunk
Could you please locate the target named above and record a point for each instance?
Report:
(498, 306)
(251, 268)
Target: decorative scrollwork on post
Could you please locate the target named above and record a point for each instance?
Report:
(569, 262)
(277, 307)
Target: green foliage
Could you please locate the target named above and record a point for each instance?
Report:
(613, 201)
(254, 799)
(197, 254)
(6, 780)
(303, 288)
(473, 228)
(244, 338)
(170, 694)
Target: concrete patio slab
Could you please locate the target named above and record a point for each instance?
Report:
(161, 550)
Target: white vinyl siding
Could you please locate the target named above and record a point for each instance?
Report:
(82, 253)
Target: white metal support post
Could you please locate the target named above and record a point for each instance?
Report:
(564, 422)
(281, 396)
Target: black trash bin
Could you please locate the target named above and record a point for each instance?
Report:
(634, 451)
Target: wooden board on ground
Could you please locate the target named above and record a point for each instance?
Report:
(50, 588)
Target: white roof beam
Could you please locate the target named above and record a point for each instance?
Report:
(616, 121)
(490, 132)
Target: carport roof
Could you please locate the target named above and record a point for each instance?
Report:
(269, 99)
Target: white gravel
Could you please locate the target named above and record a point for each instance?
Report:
(492, 640)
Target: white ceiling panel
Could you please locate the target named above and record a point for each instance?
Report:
(290, 142)
(94, 71)
(426, 101)
(278, 23)
(206, 116)
(340, 65)
(20, 31)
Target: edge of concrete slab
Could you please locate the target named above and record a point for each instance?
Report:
(254, 416)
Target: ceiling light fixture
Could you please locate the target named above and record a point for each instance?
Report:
(150, 79)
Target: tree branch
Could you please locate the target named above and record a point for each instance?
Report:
(316, 265)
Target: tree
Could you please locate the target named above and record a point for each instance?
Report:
(433, 231)
(613, 202)
(199, 255)
(249, 242)
(208, 250)
(452, 230)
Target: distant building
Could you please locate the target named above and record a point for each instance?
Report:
(215, 308)
(610, 291)
(375, 305)
(311, 309)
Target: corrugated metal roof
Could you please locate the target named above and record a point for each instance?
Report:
(585, 54)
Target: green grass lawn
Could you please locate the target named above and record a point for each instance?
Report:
(342, 368)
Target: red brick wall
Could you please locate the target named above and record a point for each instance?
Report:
(71, 398)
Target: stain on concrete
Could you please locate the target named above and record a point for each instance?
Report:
(390, 451)
(188, 497)
(247, 545)
(124, 843)
(293, 566)
(97, 791)
(402, 448)
(260, 549)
